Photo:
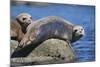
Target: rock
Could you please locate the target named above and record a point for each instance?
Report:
(13, 45)
(49, 52)
(54, 48)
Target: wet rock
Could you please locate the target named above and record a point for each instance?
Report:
(54, 48)
(49, 52)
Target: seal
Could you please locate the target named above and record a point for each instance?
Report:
(51, 27)
(24, 19)
(19, 25)
(15, 31)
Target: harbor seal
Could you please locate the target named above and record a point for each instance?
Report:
(16, 32)
(24, 19)
(51, 27)
(19, 25)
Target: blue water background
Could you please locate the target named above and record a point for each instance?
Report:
(77, 14)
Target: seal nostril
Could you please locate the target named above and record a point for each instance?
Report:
(80, 31)
(29, 21)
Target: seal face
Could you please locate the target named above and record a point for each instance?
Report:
(24, 19)
(51, 27)
(19, 25)
(78, 32)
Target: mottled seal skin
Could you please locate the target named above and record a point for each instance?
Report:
(19, 25)
(51, 27)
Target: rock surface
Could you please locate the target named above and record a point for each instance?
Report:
(13, 45)
(49, 52)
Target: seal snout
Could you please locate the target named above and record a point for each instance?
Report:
(82, 32)
(79, 31)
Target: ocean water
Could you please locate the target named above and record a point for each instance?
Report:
(76, 14)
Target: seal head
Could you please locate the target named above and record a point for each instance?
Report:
(24, 19)
(78, 32)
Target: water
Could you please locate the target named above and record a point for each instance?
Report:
(77, 14)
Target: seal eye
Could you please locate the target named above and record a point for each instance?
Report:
(24, 18)
(75, 30)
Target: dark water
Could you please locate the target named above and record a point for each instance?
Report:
(81, 15)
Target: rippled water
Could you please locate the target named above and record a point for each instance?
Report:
(77, 14)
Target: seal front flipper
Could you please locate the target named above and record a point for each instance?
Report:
(27, 40)
(23, 42)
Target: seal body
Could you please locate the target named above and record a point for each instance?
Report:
(50, 27)
(16, 31)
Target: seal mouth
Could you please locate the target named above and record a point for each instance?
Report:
(75, 38)
(83, 33)
(80, 35)
(26, 24)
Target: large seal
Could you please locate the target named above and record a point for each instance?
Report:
(51, 27)
(19, 25)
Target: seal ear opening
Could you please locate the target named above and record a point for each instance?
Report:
(18, 20)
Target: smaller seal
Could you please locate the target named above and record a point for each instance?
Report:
(16, 31)
(24, 19)
(19, 25)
